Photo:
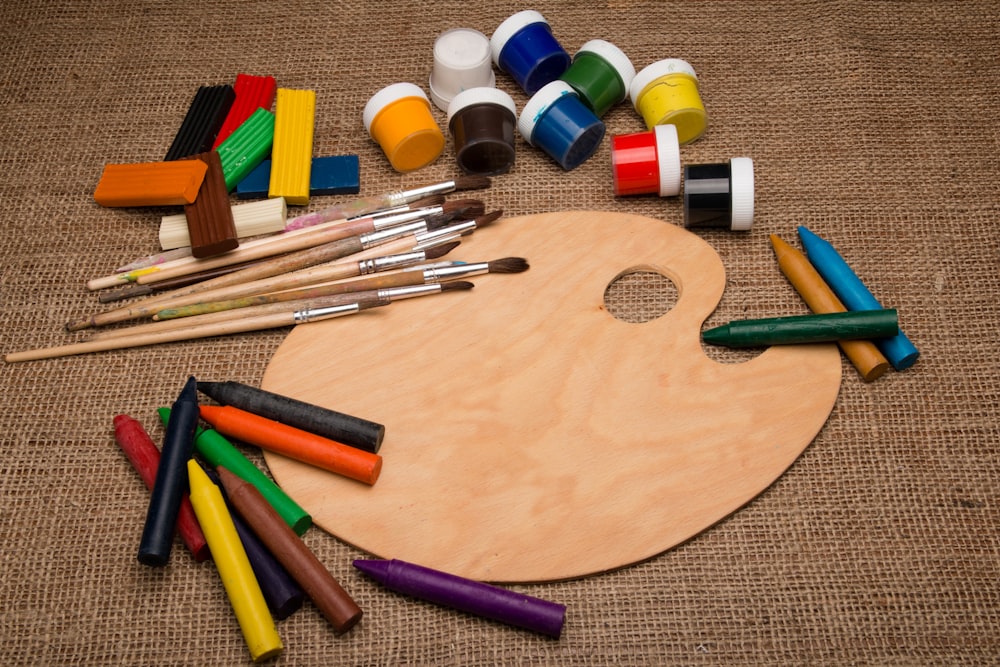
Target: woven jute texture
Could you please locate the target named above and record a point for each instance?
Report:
(873, 123)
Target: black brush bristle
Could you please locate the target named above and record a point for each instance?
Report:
(509, 265)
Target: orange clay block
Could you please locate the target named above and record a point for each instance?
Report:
(294, 443)
(150, 183)
(291, 152)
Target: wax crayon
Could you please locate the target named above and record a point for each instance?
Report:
(171, 478)
(145, 458)
(294, 443)
(823, 328)
(329, 597)
(350, 430)
(214, 448)
(210, 217)
(821, 299)
(474, 597)
(855, 295)
(234, 567)
(283, 595)
(202, 122)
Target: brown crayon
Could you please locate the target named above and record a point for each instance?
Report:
(288, 548)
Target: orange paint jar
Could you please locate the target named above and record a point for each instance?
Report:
(399, 119)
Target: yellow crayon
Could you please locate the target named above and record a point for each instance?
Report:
(870, 363)
(234, 568)
(291, 149)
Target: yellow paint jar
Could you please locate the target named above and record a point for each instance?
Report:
(399, 119)
(666, 93)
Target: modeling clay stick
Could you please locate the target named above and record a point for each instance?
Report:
(234, 567)
(202, 122)
(210, 217)
(246, 147)
(474, 597)
(348, 429)
(849, 288)
(267, 216)
(150, 183)
(332, 600)
(291, 155)
(329, 175)
(821, 299)
(145, 458)
(252, 93)
(294, 443)
(282, 593)
(171, 479)
(824, 328)
(214, 448)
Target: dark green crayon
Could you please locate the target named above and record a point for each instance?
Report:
(820, 328)
(218, 451)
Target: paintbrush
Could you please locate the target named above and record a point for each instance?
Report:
(290, 285)
(256, 323)
(366, 205)
(277, 266)
(280, 302)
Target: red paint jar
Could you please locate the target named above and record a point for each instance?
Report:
(646, 162)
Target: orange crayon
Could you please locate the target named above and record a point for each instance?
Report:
(294, 443)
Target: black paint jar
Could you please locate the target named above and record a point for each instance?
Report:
(719, 195)
(482, 122)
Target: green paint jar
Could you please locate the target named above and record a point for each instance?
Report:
(600, 74)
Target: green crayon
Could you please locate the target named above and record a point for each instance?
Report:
(820, 328)
(218, 451)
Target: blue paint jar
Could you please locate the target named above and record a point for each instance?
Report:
(524, 47)
(558, 122)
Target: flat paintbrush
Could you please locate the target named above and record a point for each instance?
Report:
(257, 323)
(266, 305)
(277, 266)
(366, 205)
(300, 282)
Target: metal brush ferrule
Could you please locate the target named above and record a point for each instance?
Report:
(408, 292)
(436, 241)
(459, 271)
(406, 196)
(375, 238)
(325, 313)
(390, 262)
(457, 228)
(385, 222)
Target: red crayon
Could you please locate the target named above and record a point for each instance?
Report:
(294, 443)
(145, 458)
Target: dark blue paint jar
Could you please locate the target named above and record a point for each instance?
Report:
(561, 125)
(524, 47)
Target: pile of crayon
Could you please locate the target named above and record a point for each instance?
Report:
(225, 507)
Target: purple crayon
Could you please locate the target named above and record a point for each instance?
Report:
(474, 597)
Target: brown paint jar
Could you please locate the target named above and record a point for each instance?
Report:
(482, 122)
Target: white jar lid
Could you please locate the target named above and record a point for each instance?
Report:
(615, 57)
(483, 95)
(652, 72)
(386, 96)
(538, 103)
(741, 192)
(510, 27)
(668, 159)
(462, 60)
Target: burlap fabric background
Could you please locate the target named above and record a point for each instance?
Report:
(875, 124)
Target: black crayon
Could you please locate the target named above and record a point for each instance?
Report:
(353, 431)
(171, 479)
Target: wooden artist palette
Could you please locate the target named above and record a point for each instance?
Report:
(530, 435)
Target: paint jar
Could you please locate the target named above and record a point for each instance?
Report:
(399, 119)
(719, 195)
(482, 122)
(646, 162)
(556, 121)
(462, 60)
(600, 74)
(666, 93)
(524, 47)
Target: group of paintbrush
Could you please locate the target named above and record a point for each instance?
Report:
(321, 266)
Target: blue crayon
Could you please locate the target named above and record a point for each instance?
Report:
(898, 349)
